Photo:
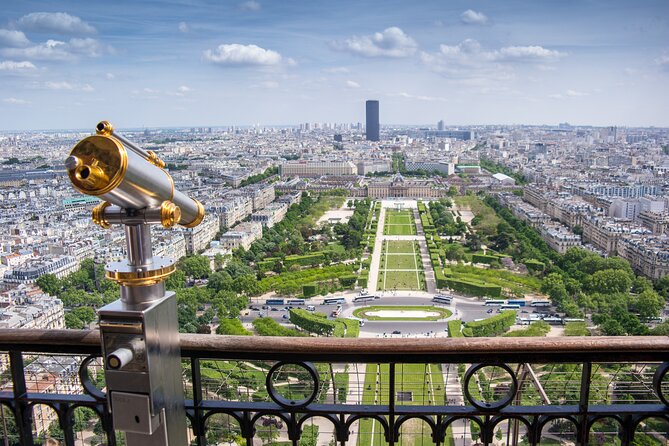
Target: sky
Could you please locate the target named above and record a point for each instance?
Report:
(282, 62)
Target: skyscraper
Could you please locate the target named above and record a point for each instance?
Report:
(440, 125)
(372, 113)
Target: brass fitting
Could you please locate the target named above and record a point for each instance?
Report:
(99, 215)
(155, 160)
(170, 214)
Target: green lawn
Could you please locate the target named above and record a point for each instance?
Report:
(363, 313)
(403, 280)
(399, 230)
(399, 246)
(400, 261)
(402, 257)
(399, 223)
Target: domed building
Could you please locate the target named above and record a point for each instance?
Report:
(399, 187)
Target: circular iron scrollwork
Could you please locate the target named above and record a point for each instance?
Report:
(493, 405)
(658, 377)
(85, 378)
(285, 381)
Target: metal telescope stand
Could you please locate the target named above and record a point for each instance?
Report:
(140, 342)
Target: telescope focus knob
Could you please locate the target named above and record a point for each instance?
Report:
(119, 358)
(170, 214)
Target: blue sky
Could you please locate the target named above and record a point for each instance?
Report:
(211, 63)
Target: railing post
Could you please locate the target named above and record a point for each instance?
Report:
(198, 427)
(391, 404)
(22, 412)
(584, 402)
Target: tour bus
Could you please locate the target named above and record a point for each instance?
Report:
(540, 303)
(439, 299)
(509, 307)
(274, 302)
(365, 298)
(521, 302)
(295, 302)
(334, 301)
(553, 320)
(573, 319)
(494, 303)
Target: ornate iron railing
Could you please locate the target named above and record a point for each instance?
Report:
(314, 391)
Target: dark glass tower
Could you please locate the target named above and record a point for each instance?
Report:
(372, 109)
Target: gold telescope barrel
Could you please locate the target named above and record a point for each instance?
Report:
(111, 168)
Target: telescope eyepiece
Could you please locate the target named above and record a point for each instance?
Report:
(104, 128)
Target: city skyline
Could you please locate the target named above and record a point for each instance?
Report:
(198, 63)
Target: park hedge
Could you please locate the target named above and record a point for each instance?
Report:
(534, 265)
(471, 288)
(317, 323)
(455, 329)
(493, 326)
(309, 290)
(315, 258)
(482, 258)
(362, 281)
(348, 281)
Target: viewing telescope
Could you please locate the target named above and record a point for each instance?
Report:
(139, 332)
(110, 167)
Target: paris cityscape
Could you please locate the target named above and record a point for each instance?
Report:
(393, 200)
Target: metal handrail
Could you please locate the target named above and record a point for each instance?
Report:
(563, 349)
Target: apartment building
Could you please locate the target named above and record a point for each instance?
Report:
(242, 235)
(271, 215)
(648, 255)
(29, 272)
(198, 238)
(311, 169)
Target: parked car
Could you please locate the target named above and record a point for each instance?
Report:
(397, 332)
(285, 316)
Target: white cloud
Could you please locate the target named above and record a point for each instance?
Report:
(184, 89)
(59, 50)
(392, 42)
(15, 101)
(16, 67)
(183, 27)
(419, 97)
(67, 86)
(556, 96)
(13, 39)
(337, 70)
(269, 84)
(471, 17)
(352, 84)
(527, 53)
(55, 23)
(250, 5)
(663, 62)
(574, 93)
(240, 55)
(110, 76)
(473, 64)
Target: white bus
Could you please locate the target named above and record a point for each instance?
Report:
(540, 303)
(365, 298)
(509, 307)
(494, 303)
(442, 300)
(334, 301)
(295, 302)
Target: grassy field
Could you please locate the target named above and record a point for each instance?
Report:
(400, 268)
(507, 280)
(399, 223)
(364, 312)
(400, 261)
(489, 220)
(421, 384)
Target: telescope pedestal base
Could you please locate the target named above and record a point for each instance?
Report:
(143, 371)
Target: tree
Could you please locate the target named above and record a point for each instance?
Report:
(662, 287)
(649, 304)
(73, 322)
(195, 266)
(610, 281)
(85, 314)
(50, 284)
